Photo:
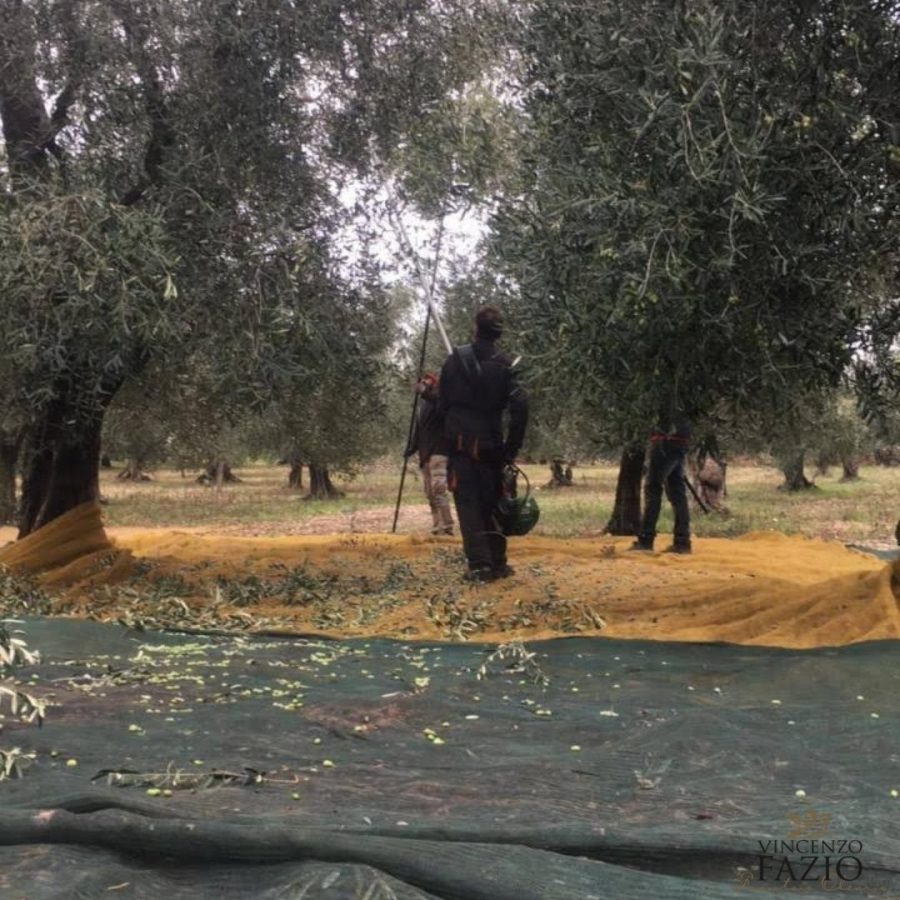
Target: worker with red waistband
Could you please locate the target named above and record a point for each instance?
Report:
(666, 471)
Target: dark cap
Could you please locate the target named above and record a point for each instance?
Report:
(489, 323)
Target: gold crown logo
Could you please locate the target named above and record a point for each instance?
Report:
(808, 824)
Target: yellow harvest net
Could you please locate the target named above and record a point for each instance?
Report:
(763, 588)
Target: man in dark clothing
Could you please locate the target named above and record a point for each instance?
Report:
(666, 470)
(429, 440)
(478, 383)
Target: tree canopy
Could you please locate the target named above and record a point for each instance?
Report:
(692, 200)
(707, 192)
(171, 185)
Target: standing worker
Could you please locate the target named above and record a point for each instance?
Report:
(666, 470)
(478, 383)
(429, 440)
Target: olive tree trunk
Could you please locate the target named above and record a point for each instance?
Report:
(9, 456)
(61, 465)
(295, 476)
(320, 486)
(217, 473)
(560, 474)
(794, 477)
(850, 466)
(133, 471)
(626, 514)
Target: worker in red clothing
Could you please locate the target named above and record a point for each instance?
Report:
(430, 442)
(666, 471)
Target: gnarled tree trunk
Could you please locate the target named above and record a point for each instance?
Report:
(218, 472)
(133, 471)
(560, 474)
(61, 459)
(62, 442)
(850, 466)
(888, 455)
(295, 476)
(9, 456)
(61, 465)
(320, 486)
(626, 514)
(794, 477)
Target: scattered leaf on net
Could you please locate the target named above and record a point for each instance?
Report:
(515, 658)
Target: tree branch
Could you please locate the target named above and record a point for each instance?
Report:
(59, 118)
(162, 135)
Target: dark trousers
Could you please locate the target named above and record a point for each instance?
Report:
(477, 486)
(666, 471)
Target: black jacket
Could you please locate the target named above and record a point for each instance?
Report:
(672, 418)
(473, 404)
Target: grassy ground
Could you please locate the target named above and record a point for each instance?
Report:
(863, 511)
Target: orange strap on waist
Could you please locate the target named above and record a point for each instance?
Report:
(656, 437)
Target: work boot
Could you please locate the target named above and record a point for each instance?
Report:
(504, 571)
(643, 545)
(682, 547)
(479, 575)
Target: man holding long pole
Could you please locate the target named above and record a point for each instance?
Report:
(429, 441)
(477, 384)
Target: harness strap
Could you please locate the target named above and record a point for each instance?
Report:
(657, 437)
(470, 365)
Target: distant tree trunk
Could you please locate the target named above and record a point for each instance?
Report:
(823, 465)
(9, 456)
(626, 514)
(560, 474)
(218, 472)
(61, 465)
(850, 465)
(888, 455)
(105, 461)
(320, 486)
(295, 476)
(794, 477)
(134, 471)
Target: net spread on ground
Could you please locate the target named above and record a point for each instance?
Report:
(246, 765)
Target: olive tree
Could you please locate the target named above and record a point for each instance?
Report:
(335, 414)
(166, 166)
(706, 188)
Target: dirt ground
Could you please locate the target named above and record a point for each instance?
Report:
(376, 520)
(864, 511)
(762, 588)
